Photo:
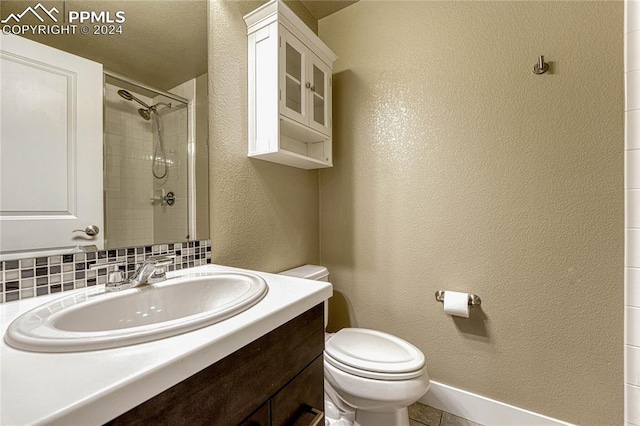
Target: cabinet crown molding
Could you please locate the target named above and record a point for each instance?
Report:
(277, 11)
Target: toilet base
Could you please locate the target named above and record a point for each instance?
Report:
(335, 416)
(399, 417)
(369, 418)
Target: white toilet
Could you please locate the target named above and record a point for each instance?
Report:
(370, 377)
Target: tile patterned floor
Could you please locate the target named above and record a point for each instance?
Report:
(424, 415)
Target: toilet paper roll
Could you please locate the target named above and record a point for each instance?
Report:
(456, 303)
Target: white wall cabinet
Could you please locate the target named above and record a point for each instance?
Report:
(289, 89)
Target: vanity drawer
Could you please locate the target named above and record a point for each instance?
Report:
(261, 417)
(230, 390)
(299, 403)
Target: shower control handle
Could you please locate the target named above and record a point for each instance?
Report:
(170, 198)
(90, 230)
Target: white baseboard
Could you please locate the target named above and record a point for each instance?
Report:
(483, 410)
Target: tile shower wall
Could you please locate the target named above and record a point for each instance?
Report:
(128, 185)
(25, 278)
(632, 270)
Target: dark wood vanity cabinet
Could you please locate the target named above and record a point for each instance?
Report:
(296, 404)
(275, 380)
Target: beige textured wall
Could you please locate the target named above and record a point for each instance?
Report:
(303, 13)
(457, 168)
(263, 216)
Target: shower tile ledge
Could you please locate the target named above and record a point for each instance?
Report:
(95, 386)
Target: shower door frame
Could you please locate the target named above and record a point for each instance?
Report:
(191, 142)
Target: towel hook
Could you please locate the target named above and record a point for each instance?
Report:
(541, 67)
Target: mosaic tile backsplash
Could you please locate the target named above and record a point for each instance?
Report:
(31, 277)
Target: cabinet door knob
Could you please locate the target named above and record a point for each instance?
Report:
(313, 88)
(307, 85)
(90, 230)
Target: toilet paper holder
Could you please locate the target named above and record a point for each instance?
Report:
(474, 300)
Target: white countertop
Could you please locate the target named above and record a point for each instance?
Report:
(96, 386)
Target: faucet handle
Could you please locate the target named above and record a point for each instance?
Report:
(162, 260)
(117, 266)
(115, 278)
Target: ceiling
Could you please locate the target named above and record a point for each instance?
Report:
(323, 8)
(163, 42)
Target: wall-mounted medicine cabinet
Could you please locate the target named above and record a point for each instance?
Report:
(289, 89)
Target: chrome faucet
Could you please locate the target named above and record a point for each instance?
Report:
(152, 270)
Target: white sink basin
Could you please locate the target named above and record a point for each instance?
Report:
(89, 320)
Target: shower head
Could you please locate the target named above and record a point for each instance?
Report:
(145, 113)
(128, 96)
(147, 110)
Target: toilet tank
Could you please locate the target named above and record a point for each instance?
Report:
(312, 272)
(309, 272)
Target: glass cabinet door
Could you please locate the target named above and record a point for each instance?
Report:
(320, 92)
(293, 92)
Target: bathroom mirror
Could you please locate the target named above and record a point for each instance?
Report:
(154, 54)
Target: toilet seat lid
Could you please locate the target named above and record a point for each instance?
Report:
(375, 351)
